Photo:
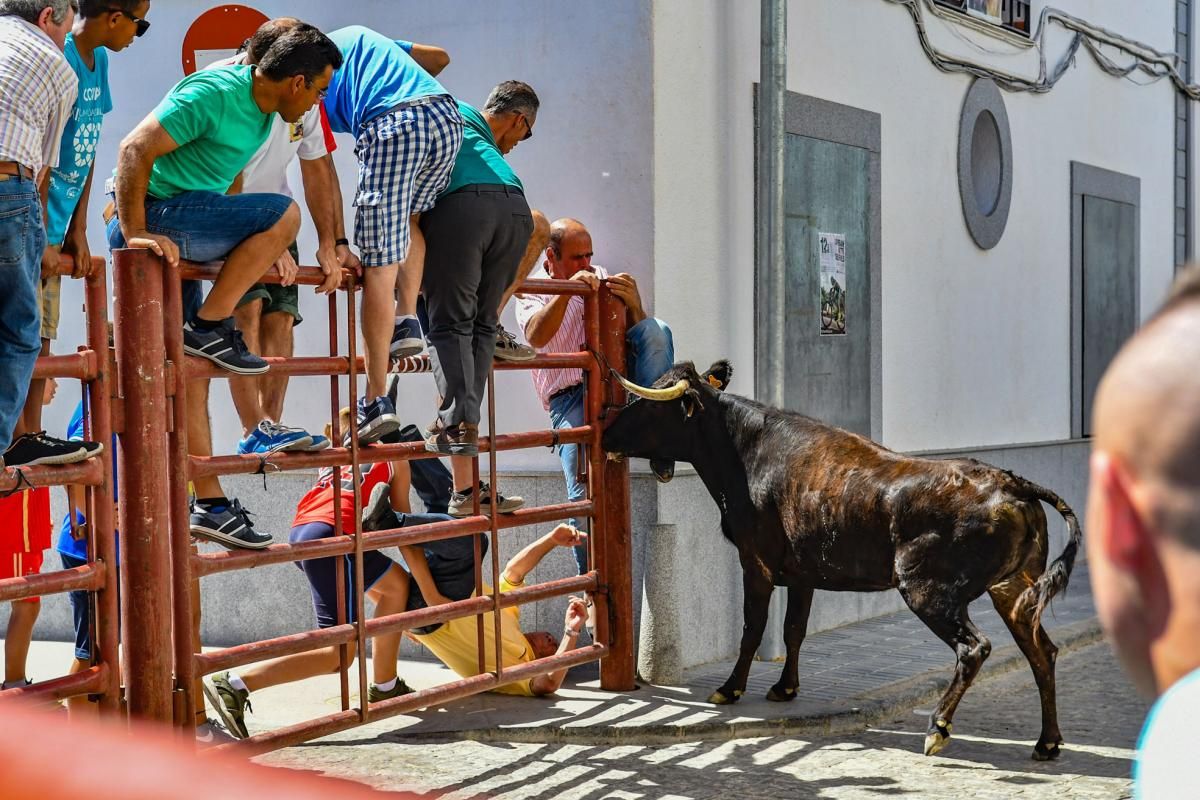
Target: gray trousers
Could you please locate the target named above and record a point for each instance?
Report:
(474, 240)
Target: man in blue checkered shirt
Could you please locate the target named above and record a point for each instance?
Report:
(407, 131)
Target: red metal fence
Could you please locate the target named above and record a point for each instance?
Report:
(148, 412)
(94, 367)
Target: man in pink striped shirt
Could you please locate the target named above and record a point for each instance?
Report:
(554, 324)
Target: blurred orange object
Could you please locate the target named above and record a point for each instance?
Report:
(111, 762)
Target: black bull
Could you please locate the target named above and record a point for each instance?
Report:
(809, 506)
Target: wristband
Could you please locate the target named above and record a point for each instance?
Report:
(341, 243)
(569, 632)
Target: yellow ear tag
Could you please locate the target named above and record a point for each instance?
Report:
(713, 382)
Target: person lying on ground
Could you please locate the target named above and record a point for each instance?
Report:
(385, 583)
(447, 573)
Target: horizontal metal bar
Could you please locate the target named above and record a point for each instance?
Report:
(308, 366)
(554, 286)
(92, 680)
(230, 657)
(86, 578)
(81, 366)
(209, 271)
(251, 652)
(204, 467)
(553, 663)
(85, 473)
(313, 276)
(66, 265)
(344, 720)
(426, 698)
(204, 564)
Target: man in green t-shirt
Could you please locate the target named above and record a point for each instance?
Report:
(476, 238)
(174, 175)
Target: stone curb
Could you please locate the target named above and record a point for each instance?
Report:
(867, 708)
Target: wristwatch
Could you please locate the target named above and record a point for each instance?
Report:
(568, 632)
(341, 243)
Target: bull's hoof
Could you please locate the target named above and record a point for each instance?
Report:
(938, 738)
(779, 695)
(719, 698)
(1047, 752)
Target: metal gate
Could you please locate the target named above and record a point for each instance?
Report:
(161, 658)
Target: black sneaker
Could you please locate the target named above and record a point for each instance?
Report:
(375, 694)
(377, 513)
(407, 339)
(223, 345)
(461, 505)
(38, 448)
(376, 419)
(230, 526)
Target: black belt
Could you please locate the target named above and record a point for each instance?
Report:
(480, 188)
(566, 389)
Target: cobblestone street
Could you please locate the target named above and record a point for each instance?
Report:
(989, 756)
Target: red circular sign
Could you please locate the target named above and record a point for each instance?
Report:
(218, 32)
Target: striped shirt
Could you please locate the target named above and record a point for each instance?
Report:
(570, 338)
(37, 94)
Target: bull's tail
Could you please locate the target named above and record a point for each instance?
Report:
(1054, 580)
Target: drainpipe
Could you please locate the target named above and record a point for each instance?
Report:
(771, 255)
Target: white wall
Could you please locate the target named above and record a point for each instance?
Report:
(590, 64)
(975, 344)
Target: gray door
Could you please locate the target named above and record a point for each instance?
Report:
(1109, 289)
(828, 191)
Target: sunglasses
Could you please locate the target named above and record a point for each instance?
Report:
(142, 25)
(528, 128)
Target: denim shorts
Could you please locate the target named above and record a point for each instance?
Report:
(206, 226)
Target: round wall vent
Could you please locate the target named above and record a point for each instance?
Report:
(985, 163)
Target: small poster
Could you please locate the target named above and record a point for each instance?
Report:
(832, 248)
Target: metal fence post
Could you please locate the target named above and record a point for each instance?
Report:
(144, 511)
(616, 671)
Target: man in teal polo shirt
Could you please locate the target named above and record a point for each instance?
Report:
(475, 238)
(174, 175)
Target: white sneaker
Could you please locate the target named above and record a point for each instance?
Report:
(212, 732)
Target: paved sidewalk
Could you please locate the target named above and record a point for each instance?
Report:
(988, 759)
(849, 677)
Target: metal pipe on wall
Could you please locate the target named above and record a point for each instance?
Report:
(771, 253)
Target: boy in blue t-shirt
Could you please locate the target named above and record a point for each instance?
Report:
(74, 553)
(102, 25)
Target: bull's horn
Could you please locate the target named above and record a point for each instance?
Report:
(673, 393)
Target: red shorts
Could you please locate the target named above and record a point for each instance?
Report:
(24, 533)
(18, 565)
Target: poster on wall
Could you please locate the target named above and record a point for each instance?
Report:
(985, 9)
(832, 250)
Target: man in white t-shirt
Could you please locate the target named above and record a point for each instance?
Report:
(1144, 532)
(268, 312)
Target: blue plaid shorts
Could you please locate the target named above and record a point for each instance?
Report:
(405, 157)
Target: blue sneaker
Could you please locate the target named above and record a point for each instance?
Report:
(407, 339)
(319, 442)
(271, 437)
(376, 419)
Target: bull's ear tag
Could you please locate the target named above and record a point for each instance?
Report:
(719, 375)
